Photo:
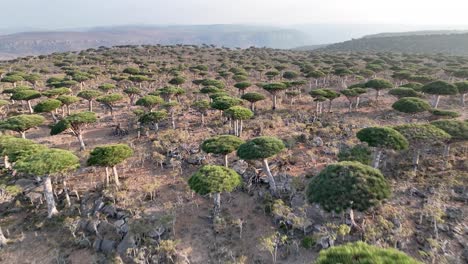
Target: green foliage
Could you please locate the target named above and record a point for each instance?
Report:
(360, 153)
(361, 253)
(105, 87)
(324, 94)
(225, 102)
(109, 155)
(223, 144)
(239, 113)
(214, 179)
(25, 95)
(110, 99)
(48, 162)
(89, 94)
(289, 75)
(462, 87)
(402, 92)
(15, 89)
(47, 106)
(149, 101)
(353, 92)
(383, 137)
(210, 89)
(132, 90)
(74, 121)
(308, 242)
(348, 185)
(444, 113)
(139, 78)
(411, 105)
(215, 83)
(422, 133)
(253, 97)
(242, 85)
(52, 93)
(153, 117)
(21, 123)
(378, 84)
(413, 85)
(260, 148)
(68, 99)
(12, 78)
(201, 106)
(458, 130)
(17, 148)
(177, 80)
(274, 87)
(440, 88)
(131, 70)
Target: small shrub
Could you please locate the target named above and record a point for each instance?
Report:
(308, 242)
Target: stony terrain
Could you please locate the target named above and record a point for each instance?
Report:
(154, 216)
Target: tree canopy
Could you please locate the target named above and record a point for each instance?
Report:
(260, 148)
(214, 179)
(109, 155)
(383, 137)
(348, 185)
(360, 252)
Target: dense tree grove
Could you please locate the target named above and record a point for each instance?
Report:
(320, 157)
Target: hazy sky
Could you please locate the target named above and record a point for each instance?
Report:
(85, 13)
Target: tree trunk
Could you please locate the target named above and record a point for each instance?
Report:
(68, 109)
(241, 128)
(271, 180)
(436, 102)
(67, 196)
(358, 99)
(107, 176)
(90, 105)
(203, 120)
(463, 100)
(274, 102)
(54, 117)
(116, 176)
(173, 120)
(416, 161)
(6, 163)
(226, 161)
(377, 158)
(23, 134)
(329, 106)
(217, 201)
(377, 94)
(49, 196)
(30, 107)
(252, 107)
(351, 218)
(3, 240)
(112, 112)
(80, 139)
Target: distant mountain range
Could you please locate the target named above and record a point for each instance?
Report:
(300, 37)
(430, 42)
(243, 36)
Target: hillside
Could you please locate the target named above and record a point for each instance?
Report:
(452, 44)
(201, 155)
(35, 43)
(416, 33)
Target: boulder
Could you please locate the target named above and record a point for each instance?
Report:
(105, 246)
(127, 243)
(240, 166)
(317, 142)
